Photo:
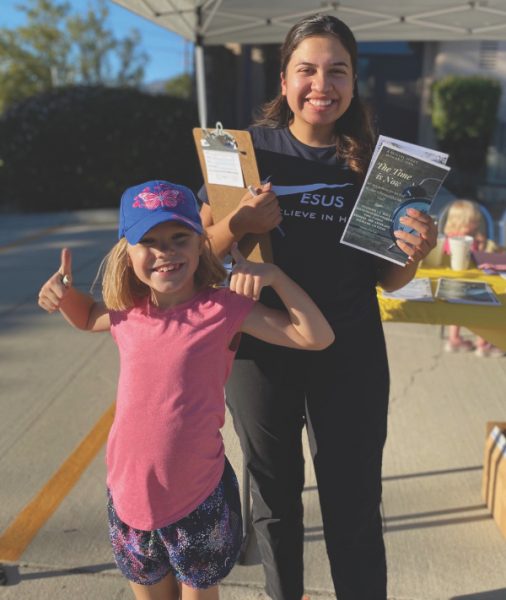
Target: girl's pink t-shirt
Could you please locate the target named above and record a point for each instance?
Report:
(165, 452)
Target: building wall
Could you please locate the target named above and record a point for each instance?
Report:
(389, 77)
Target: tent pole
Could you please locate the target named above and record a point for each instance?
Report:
(200, 74)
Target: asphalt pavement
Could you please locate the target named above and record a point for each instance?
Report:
(57, 389)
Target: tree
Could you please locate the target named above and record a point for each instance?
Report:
(180, 86)
(119, 137)
(57, 47)
(464, 115)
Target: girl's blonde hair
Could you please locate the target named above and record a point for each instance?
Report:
(121, 288)
(462, 214)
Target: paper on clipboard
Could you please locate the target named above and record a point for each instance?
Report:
(221, 157)
(223, 167)
(224, 197)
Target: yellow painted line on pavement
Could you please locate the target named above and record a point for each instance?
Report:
(16, 538)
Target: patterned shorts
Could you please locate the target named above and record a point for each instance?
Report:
(199, 550)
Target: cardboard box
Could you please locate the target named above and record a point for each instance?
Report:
(493, 488)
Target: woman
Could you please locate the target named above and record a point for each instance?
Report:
(313, 144)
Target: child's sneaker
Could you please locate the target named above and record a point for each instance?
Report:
(489, 350)
(496, 352)
(459, 346)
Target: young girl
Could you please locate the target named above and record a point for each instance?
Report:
(464, 218)
(314, 143)
(174, 510)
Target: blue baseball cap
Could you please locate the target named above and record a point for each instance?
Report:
(148, 204)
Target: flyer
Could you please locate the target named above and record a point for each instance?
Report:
(466, 292)
(397, 179)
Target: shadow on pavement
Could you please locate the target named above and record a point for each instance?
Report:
(14, 577)
(490, 595)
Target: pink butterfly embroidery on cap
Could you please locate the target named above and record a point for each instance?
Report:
(163, 196)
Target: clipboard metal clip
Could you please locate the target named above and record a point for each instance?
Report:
(219, 139)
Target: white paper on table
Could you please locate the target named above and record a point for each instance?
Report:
(418, 289)
(223, 167)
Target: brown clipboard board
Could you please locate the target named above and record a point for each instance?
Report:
(224, 198)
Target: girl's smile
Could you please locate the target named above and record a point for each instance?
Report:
(165, 260)
(318, 85)
(169, 268)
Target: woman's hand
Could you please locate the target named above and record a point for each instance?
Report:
(57, 287)
(248, 278)
(423, 239)
(257, 214)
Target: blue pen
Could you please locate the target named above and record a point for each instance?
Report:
(253, 192)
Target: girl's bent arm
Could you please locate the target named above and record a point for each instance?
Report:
(301, 326)
(288, 329)
(83, 312)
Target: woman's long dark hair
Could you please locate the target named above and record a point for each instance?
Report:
(354, 132)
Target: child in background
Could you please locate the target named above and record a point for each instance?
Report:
(464, 218)
(174, 508)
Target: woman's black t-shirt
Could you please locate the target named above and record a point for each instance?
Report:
(316, 193)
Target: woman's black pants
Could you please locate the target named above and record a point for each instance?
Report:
(341, 395)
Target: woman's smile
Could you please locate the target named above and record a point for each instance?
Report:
(320, 104)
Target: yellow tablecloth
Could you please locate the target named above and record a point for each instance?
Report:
(486, 321)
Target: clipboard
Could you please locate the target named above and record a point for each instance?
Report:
(224, 198)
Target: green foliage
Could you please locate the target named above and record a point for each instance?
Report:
(57, 47)
(80, 147)
(464, 107)
(464, 113)
(180, 86)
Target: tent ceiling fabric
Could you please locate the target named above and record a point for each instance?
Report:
(266, 21)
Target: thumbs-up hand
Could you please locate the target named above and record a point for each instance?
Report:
(65, 269)
(248, 278)
(57, 286)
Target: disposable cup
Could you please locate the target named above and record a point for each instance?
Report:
(435, 256)
(460, 252)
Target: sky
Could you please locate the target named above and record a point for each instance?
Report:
(166, 50)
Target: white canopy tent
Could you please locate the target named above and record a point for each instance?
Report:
(216, 22)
